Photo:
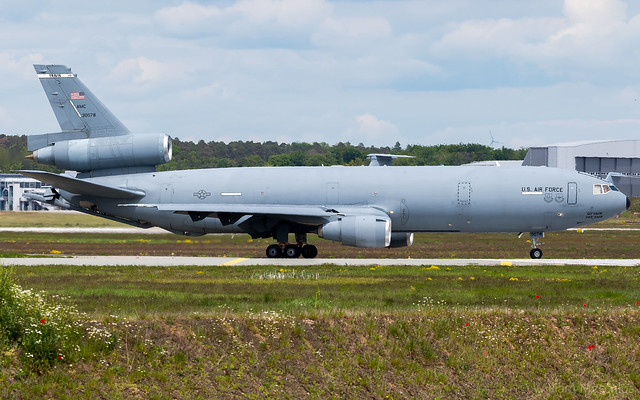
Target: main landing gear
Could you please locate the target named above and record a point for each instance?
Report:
(287, 250)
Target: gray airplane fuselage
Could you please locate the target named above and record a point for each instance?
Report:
(417, 199)
(374, 206)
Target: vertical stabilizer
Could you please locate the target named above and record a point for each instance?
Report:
(75, 107)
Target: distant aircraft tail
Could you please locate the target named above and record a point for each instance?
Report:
(79, 112)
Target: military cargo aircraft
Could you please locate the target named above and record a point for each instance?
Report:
(113, 175)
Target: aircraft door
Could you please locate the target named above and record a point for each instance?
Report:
(572, 194)
(464, 193)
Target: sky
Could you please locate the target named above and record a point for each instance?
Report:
(426, 72)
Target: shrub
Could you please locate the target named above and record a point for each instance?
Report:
(46, 329)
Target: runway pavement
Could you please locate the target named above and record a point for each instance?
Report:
(300, 262)
(156, 230)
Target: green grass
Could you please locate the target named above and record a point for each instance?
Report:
(345, 332)
(131, 291)
(540, 332)
(67, 219)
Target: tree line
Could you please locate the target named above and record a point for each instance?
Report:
(213, 154)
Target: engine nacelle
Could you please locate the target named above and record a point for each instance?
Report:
(399, 239)
(359, 231)
(84, 155)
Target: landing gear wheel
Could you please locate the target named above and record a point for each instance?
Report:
(292, 251)
(309, 251)
(273, 251)
(536, 253)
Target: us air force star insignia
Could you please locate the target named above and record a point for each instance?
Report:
(202, 194)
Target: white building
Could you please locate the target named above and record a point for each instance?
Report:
(12, 187)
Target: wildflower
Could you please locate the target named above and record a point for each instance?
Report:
(42, 321)
(537, 296)
(467, 324)
(591, 347)
(584, 305)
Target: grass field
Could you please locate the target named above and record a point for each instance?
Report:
(334, 331)
(565, 244)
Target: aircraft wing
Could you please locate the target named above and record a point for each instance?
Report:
(230, 213)
(81, 186)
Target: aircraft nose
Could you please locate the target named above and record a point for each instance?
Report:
(628, 202)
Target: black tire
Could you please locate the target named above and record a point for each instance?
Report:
(273, 251)
(309, 251)
(292, 251)
(536, 254)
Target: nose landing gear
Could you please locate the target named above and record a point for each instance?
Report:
(536, 253)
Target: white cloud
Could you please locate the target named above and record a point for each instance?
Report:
(187, 18)
(370, 129)
(425, 72)
(288, 13)
(591, 34)
(342, 32)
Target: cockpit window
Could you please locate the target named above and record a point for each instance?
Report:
(602, 189)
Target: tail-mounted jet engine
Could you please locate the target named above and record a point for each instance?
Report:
(110, 152)
(359, 230)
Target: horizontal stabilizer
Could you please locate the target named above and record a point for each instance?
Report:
(36, 142)
(81, 186)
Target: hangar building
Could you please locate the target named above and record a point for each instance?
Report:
(621, 157)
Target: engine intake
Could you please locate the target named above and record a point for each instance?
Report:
(85, 155)
(367, 231)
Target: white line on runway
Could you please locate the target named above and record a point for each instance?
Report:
(301, 262)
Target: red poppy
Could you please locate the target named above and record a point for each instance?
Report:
(584, 305)
(59, 357)
(42, 321)
(467, 324)
(591, 347)
(537, 296)
(636, 303)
